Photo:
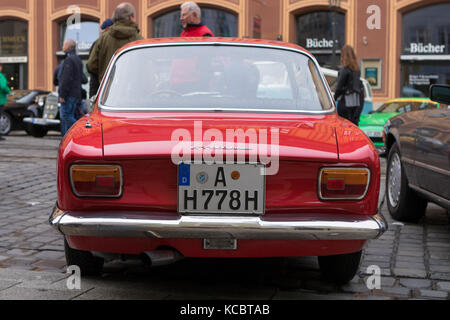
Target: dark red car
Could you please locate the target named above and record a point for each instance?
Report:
(216, 148)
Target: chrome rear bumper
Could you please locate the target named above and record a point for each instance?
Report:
(273, 227)
(42, 121)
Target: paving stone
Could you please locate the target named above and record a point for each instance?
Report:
(444, 286)
(355, 288)
(302, 295)
(402, 264)
(49, 255)
(103, 294)
(439, 262)
(397, 291)
(387, 281)
(434, 294)
(415, 283)
(20, 252)
(438, 268)
(412, 273)
(5, 284)
(16, 275)
(418, 253)
(53, 264)
(409, 259)
(17, 293)
(440, 276)
(371, 257)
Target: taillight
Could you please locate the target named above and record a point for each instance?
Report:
(96, 180)
(343, 183)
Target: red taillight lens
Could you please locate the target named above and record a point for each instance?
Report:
(343, 183)
(96, 180)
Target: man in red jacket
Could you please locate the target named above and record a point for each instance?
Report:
(191, 17)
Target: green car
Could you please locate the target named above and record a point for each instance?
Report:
(372, 124)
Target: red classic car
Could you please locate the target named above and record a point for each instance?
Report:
(216, 148)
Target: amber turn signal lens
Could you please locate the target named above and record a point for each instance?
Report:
(343, 183)
(96, 180)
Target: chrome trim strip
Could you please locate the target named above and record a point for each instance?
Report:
(214, 43)
(432, 168)
(335, 227)
(319, 192)
(41, 121)
(432, 196)
(407, 160)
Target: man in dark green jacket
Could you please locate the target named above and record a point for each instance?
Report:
(4, 90)
(124, 30)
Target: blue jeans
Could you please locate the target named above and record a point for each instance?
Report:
(68, 114)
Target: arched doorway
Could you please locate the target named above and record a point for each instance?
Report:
(222, 23)
(14, 52)
(84, 34)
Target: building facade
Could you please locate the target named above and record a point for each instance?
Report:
(403, 45)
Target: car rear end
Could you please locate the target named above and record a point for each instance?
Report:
(140, 180)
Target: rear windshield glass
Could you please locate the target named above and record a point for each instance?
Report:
(215, 77)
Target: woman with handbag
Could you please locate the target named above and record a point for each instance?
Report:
(349, 92)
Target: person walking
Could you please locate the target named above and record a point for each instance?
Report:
(70, 78)
(191, 19)
(124, 30)
(94, 84)
(349, 92)
(4, 91)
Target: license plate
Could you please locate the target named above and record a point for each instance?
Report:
(221, 189)
(374, 134)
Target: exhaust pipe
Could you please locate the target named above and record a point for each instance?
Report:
(162, 257)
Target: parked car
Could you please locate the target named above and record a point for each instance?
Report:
(332, 77)
(45, 116)
(16, 108)
(373, 124)
(418, 165)
(148, 172)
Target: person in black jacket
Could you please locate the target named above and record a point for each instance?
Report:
(349, 92)
(70, 79)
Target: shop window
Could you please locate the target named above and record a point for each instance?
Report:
(84, 34)
(425, 49)
(315, 34)
(14, 53)
(426, 31)
(221, 23)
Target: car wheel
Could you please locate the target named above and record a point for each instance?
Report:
(88, 264)
(5, 123)
(340, 269)
(403, 203)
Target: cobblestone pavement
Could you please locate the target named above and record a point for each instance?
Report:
(414, 258)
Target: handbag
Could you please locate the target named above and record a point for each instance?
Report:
(352, 100)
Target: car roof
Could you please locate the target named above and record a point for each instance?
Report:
(199, 40)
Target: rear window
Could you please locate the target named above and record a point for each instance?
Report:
(221, 77)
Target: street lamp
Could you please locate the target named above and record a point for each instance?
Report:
(334, 4)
